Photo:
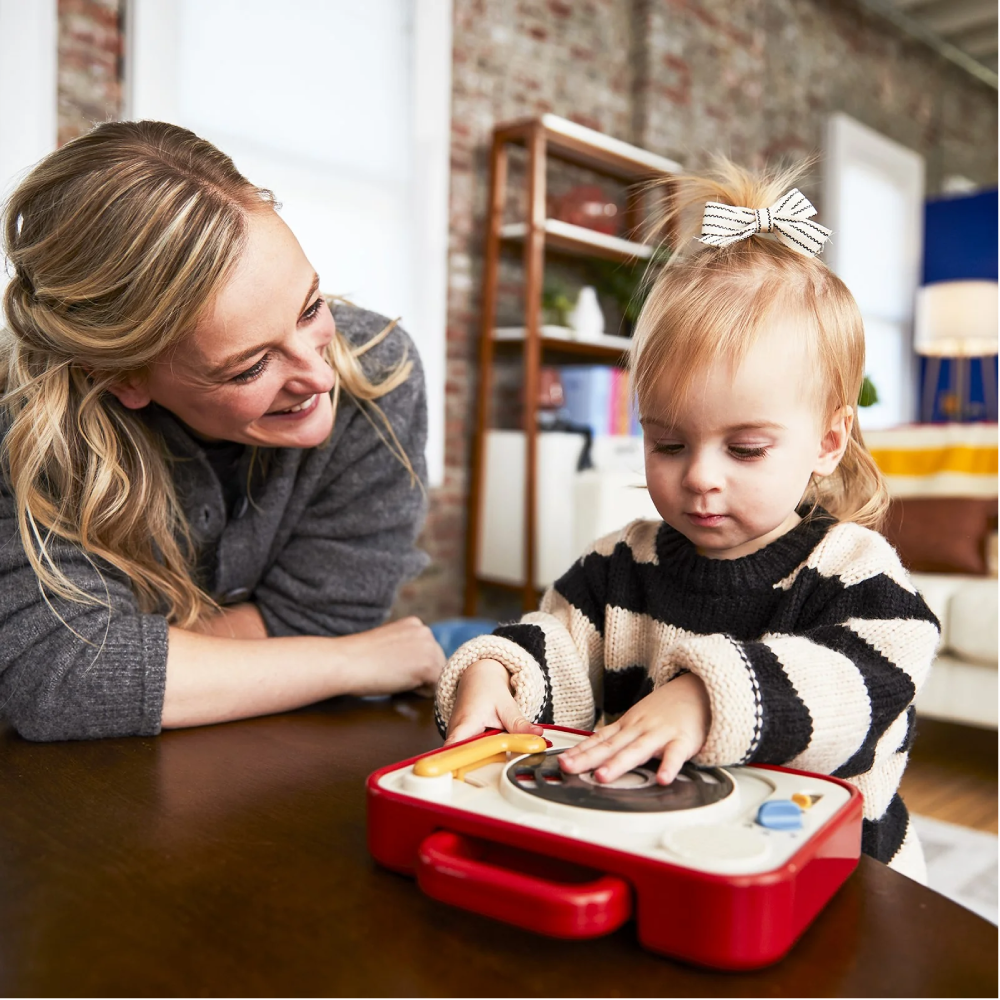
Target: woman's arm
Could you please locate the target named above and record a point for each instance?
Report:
(241, 621)
(211, 678)
(71, 670)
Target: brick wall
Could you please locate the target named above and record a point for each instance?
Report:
(755, 79)
(752, 78)
(90, 64)
(758, 79)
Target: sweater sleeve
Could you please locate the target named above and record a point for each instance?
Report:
(70, 670)
(831, 694)
(555, 655)
(354, 541)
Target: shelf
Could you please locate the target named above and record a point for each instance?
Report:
(581, 242)
(594, 150)
(541, 242)
(561, 333)
(515, 588)
(557, 340)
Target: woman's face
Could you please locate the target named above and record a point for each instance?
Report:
(253, 369)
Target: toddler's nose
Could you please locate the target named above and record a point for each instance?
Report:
(702, 475)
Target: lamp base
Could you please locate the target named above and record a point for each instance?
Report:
(958, 390)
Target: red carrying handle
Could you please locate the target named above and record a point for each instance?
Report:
(541, 894)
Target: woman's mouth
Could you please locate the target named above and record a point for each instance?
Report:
(705, 520)
(298, 410)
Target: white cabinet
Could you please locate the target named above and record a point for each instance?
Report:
(573, 508)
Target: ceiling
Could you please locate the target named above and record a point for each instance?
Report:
(965, 31)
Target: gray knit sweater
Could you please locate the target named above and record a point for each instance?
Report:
(320, 546)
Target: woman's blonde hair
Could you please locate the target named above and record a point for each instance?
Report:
(709, 305)
(117, 243)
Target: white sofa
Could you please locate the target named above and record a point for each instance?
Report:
(951, 462)
(962, 686)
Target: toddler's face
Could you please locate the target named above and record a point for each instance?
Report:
(731, 471)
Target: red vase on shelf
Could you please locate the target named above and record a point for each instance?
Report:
(588, 206)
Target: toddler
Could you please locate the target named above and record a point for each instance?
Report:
(763, 619)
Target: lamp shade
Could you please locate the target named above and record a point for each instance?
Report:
(956, 319)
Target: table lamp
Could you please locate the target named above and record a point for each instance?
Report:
(956, 319)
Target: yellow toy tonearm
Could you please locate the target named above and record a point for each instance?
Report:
(467, 757)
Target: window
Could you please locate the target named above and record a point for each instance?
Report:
(28, 47)
(873, 197)
(343, 110)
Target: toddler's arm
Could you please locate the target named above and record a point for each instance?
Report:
(829, 688)
(829, 691)
(553, 657)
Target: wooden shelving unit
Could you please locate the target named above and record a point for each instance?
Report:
(580, 242)
(544, 137)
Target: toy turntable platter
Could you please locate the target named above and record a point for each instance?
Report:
(539, 776)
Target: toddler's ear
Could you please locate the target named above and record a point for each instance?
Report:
(834, 441)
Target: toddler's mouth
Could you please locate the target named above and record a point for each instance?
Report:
(705, 520)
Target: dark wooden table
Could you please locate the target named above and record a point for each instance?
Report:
(231, 861)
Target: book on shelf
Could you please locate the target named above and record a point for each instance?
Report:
(599, 397)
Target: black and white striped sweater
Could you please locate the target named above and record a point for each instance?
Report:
(812, 650)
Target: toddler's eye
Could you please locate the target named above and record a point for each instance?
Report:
(667, 449)
(745, 452)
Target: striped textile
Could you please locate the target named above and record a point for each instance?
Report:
(939, 460)
(811, 650)
(788, 219)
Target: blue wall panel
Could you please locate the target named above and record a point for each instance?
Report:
(960, 243)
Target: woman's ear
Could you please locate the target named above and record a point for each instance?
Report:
(131, 392)
(834, 441)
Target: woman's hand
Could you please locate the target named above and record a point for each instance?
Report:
(398, 656)
(484, 701)
(671, 723)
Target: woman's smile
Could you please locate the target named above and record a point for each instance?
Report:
(298, 411)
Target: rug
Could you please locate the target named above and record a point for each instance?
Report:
(961, 864)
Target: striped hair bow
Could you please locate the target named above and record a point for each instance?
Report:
(788, 218)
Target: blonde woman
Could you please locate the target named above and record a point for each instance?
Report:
(211, 478)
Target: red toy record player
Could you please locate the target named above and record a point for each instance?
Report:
(725, 867)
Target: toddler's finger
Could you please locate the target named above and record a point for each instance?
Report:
(513, 721)
(462, 731)
(637, 751)
(595, 739)
(594, 750)
(673, 759)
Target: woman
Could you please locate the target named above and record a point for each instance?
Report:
(212, 480)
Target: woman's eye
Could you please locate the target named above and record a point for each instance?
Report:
(313, 311)
(745, 452)
(251, 373)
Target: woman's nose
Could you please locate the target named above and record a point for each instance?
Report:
(313, 372)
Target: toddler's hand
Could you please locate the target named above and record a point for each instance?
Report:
(671, 723)
(484, 701)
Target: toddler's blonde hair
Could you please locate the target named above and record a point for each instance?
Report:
(708, 305)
